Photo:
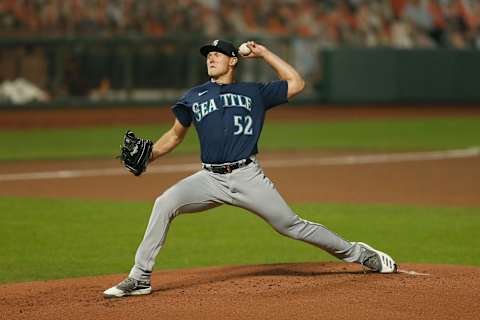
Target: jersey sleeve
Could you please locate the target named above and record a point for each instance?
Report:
(182, 113)
(274, 93)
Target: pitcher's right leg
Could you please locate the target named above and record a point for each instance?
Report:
(255, 192)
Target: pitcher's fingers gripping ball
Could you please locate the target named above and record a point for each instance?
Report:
(244, 50)
(135, 153)
(251, 49)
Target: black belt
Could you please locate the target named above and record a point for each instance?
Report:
(227, 168)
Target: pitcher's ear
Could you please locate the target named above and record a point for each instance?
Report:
(233, 61)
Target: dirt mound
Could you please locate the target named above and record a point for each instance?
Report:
(280, 291)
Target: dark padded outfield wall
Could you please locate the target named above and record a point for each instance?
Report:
(389, 75)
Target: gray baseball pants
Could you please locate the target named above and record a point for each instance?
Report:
(245, 187)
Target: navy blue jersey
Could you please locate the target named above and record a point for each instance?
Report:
(229, 117)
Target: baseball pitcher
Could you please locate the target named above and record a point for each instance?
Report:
(228, 117)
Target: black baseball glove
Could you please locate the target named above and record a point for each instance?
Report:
(135, 153)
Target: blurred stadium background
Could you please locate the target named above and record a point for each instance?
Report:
(132, 52)
(74, 74)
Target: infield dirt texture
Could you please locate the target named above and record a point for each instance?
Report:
(323, 290)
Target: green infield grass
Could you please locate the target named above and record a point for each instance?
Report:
(103, 142)
(48, 239)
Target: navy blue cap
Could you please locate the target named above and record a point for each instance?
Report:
(222, 46)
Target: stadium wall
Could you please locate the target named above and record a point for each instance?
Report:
(156, 71)
(401, 76)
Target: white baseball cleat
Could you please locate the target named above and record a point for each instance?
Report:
(376, 260)
(128, 287)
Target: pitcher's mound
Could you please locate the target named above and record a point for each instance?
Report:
(280, 291)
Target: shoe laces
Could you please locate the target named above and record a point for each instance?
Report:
(372, 262)
(130, 284)
(371, 259)
(127, 284)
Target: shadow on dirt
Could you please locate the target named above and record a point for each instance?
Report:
(241, 272)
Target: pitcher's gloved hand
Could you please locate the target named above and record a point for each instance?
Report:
(135, 153)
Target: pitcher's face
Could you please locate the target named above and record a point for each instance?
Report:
(219, 64)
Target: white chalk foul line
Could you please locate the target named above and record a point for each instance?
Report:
(280, 163)
(65, 174)
(376, 158)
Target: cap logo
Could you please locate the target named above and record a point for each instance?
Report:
(215, 43)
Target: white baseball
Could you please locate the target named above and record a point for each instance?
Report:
(244, 50)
